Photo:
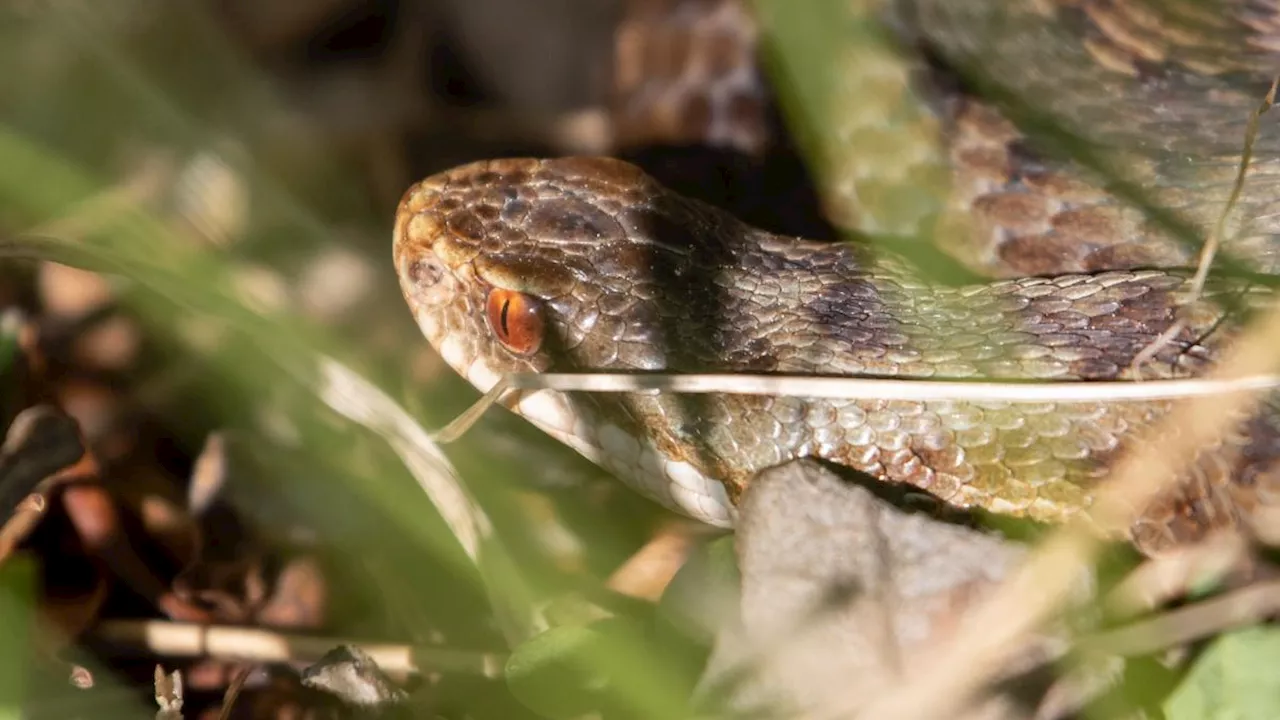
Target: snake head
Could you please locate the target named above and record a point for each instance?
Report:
(537, 265)
(533, 265)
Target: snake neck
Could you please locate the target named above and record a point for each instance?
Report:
(747, 301)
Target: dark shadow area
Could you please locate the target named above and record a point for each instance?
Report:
(773, 193)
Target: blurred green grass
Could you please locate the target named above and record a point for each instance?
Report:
(88, 97)
(95, 95)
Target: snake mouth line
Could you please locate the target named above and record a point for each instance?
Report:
(674, 484)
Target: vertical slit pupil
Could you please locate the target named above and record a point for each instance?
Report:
(502, 318)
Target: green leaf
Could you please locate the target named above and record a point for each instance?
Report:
(550, 674)
(616, 666)
(17, 581)
(703, 590)
(1235, 679)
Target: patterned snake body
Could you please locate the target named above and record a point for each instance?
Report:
(592, 265)
(588, 264)
(1158, 93)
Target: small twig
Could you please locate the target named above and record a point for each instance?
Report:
(1211, 244)
(879, 388)
(1148, 353)
(1245, 606)
(1210, 247)
(461, 424)
(226, 642)
(847, 387)
(233, 692)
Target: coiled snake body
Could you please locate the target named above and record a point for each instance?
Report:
(590, 264)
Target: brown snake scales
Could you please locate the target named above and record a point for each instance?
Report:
(589, 264)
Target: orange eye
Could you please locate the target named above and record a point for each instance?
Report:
(516, 319)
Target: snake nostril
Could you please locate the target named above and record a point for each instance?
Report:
(425, 272)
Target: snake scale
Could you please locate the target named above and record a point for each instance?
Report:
(590, 264)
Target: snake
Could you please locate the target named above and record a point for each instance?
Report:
(592, 264)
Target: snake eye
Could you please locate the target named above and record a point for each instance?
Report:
(516, 320)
